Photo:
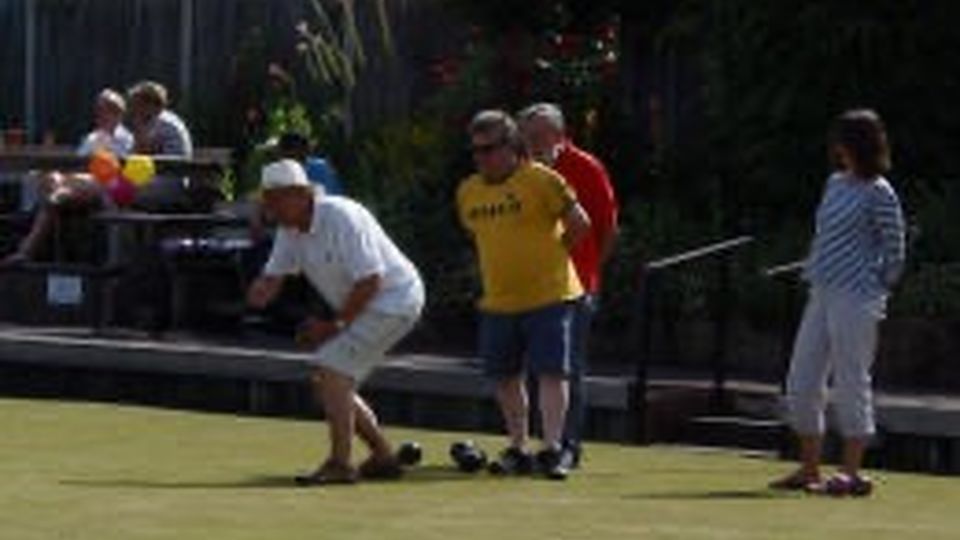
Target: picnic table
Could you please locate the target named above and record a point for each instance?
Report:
(206, 161)
(147, 259)
(165, 241)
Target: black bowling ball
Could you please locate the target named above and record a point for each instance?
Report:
(467, 456)
(409, 453)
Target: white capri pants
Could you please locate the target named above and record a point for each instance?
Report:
(837, 337)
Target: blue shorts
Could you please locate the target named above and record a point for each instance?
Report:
(541, 340)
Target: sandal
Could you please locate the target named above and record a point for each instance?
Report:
(796, 481)
(380, 468)
(331, 472)
(844, 485)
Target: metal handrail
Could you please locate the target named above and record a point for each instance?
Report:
(788, 271)
(641, 331)
(781, 269)
(716, 248)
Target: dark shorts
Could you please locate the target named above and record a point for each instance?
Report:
(540, 340)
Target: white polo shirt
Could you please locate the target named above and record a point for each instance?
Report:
(345, 244)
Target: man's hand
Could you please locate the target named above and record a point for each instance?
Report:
(313, 332)
(263, 290)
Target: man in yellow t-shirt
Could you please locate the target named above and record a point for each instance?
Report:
(523, 219)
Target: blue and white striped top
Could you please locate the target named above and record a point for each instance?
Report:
(859, 242)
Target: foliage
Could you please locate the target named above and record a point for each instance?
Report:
(771, 77)
(332, 47)
(931, 291)
(314, 102)
(775, 74)
(406, 173)
(547, 50)
(280, 111)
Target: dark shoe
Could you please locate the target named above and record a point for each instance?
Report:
(331, 472)
(796, 481)
(374, 468)
(512, 461)
(554, 463)
(572, 453)
(467, 456)
(844, 485)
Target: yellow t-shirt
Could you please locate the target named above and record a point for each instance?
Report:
(517, 228)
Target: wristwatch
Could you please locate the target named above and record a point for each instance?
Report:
(340, 323)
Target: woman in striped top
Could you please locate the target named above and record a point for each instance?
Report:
(856, 257)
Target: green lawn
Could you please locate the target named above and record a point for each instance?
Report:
(104, 472)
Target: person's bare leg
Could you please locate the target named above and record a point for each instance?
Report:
(337, 394)
(369, 430)
(853, 450)
(807, 475)
(40, 229)
(554, 397)
(514, 406)
(811, 447)
(56, 190)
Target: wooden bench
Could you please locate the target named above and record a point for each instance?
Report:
(51, 292)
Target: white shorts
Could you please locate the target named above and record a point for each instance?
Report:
(362, 345)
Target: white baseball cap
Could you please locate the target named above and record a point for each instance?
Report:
(283, 173)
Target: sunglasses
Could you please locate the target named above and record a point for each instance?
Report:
(483, 149)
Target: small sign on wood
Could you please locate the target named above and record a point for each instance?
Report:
(64, 290)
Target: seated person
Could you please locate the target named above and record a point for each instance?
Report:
(293, 145)
(76, 193)
(158, 131)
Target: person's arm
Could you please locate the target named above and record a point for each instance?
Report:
(263, 290)
(175, 139)
(560, 200)
(888, 217)
(283, 261)
(359, 297)
(362, 260)
(607, 243)
(599, 200)
(576, 224)
(313, 331)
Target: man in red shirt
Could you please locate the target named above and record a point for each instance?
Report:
(543, 130)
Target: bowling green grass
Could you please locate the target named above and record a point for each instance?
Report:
(104, 472)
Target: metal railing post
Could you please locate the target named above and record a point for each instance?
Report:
(641, 337)
(718, 397)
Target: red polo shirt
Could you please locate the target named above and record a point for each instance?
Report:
(589, 179)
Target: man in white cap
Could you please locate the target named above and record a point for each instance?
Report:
(376, 294)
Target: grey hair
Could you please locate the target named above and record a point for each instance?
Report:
(548, 111)
(498, 123)
(111, 96)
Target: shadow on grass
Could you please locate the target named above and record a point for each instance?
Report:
(425, 474)
(731, 494)
(257, 482)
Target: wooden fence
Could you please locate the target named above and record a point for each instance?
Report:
(57, 54)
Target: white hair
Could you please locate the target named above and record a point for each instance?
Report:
(548, 111)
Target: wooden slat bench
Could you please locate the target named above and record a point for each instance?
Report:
(43, 292)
